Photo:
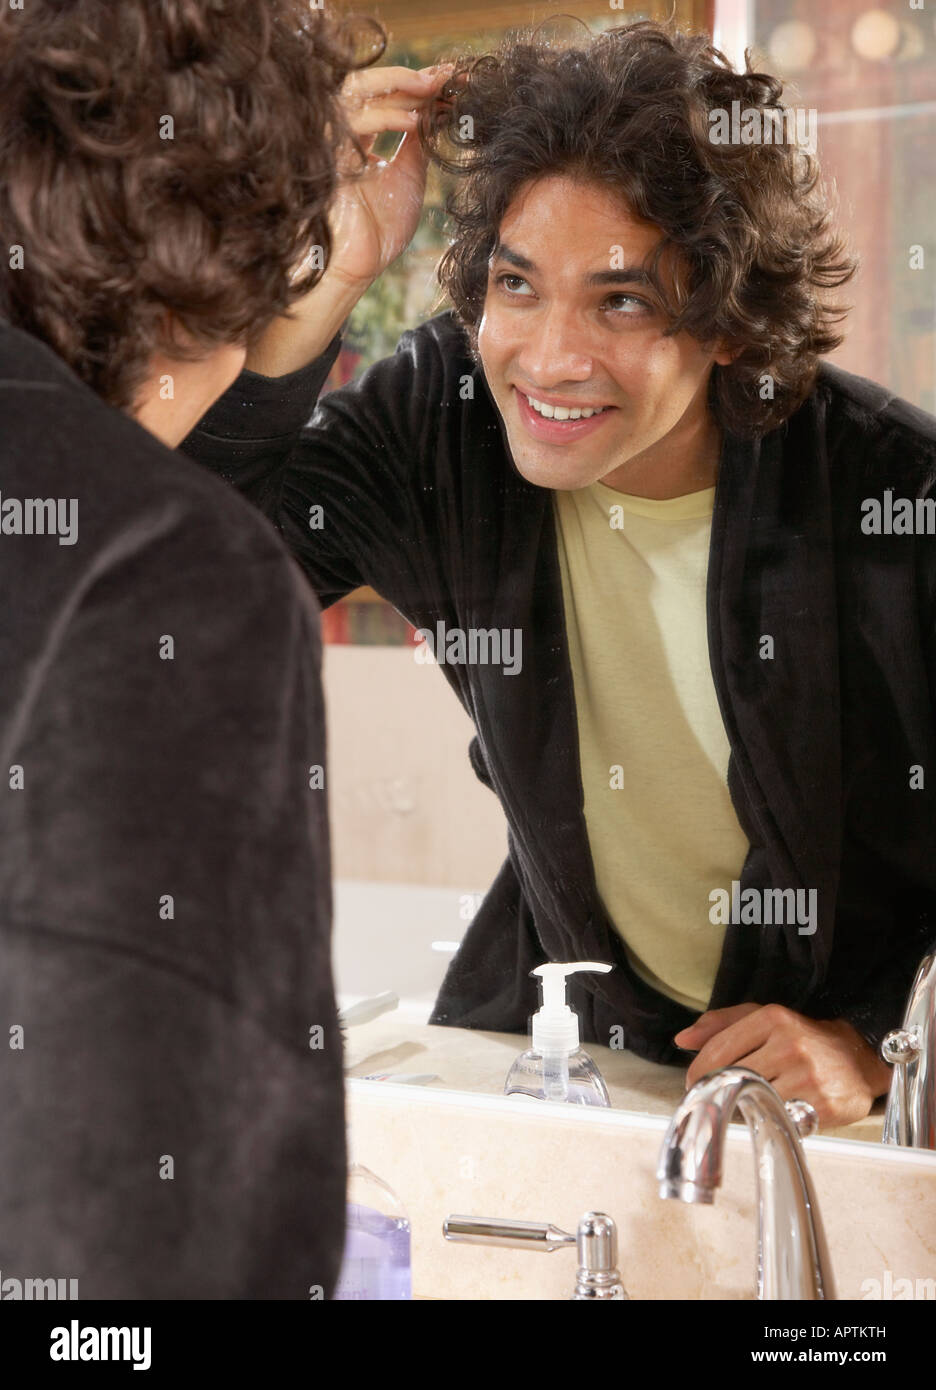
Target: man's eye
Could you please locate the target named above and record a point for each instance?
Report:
(625, 304)
(514, 284)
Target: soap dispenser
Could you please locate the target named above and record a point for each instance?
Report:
(557, 1067)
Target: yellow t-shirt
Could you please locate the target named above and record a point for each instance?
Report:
(653, 749)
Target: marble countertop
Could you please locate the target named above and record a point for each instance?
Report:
(471, 1060)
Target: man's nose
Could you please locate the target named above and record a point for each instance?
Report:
(555, 350)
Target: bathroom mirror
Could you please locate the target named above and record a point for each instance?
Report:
(417, 838)
(416, 842)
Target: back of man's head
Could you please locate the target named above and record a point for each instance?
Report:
(162, 155)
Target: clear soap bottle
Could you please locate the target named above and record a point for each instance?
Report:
(557, 1067)
(376, 1260)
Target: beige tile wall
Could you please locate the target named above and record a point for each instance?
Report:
(405, 804)
(488, 1156)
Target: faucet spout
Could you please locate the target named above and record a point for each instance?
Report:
(792, 1255)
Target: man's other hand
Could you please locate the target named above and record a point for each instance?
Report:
(825, 1062)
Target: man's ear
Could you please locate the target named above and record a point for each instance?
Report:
(175, 335)
(724, 356)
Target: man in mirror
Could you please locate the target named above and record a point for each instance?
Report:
(622, 450)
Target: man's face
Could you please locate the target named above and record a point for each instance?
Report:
(571, 323)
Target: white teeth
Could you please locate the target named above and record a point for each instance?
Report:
(562, 412)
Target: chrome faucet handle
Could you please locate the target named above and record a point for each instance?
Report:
(901, 1046)
(596, 1240)
(498, 1230)
(598, 1276)
(804, 1117)
(910, 1117)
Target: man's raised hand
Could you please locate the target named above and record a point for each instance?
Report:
(376, 210)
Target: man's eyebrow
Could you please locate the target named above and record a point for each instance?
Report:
(503, 252)
(627, 275)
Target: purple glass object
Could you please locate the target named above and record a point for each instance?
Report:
(376, 1262)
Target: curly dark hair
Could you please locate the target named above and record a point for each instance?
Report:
(750, 224)
(164, 155)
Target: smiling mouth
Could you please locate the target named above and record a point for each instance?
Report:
(563, 412)
(550, 423)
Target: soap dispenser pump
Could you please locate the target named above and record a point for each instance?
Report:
(557, 1067)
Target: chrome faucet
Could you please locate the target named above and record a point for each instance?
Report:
(597, 1276)
(792, 1256)
(910, 1117)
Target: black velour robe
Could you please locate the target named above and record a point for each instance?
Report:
(165, 894)
(422, 501)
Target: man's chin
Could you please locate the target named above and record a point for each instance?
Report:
(561, 475)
